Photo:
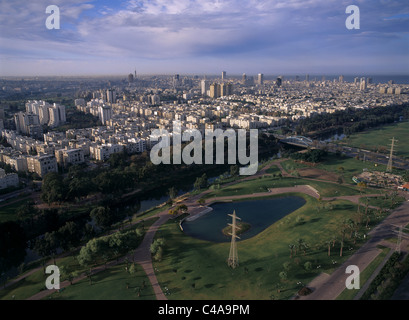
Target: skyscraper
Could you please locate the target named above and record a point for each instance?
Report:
(205, 86)
(341, 78)
(363, 84)
(226, 89)
(223, 75)
(260, 78)
(111, 96)
(244, 79)
(215, 90)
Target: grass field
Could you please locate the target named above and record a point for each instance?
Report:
(325, 189)
(111, 284)
(196, 269)
(374, 138)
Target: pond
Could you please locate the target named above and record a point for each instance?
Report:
(260, 214)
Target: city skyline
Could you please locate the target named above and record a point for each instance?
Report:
(271, 37)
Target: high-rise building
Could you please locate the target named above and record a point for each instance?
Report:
(176, 81)
(215, 90)
(226, 89)
(363, 84)
(341, 78)
(356, 80)
(204, 86)
(223, 75)
(307, 77)
(130, 78)
(56, 115)
(105, 113)
(279, 81)
(260, 78)
(111, 96)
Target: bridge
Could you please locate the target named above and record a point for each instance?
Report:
(298, 141)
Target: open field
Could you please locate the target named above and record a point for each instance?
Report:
(262, 184)
(380, 138)
(340, 166)
(196, 269)
(111, 284)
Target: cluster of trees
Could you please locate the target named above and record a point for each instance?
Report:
(388, 279)
(109, 247)
(66, 238)
(156, 248)
(352, 120)
(201, 182)
(314, 156)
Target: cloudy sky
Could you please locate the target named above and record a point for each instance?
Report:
(203, 37)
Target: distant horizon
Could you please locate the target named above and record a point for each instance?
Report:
(106, 37)
(348, 78)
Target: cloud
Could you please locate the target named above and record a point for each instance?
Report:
(194, 31)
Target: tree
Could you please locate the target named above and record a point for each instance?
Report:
(53, 188)
(301, 244)
(69, 235)
(234, 170)
(329, 247)
(172, 192)
(201, 201)
(283, 275)
(102, 217)
(291, 246)
(308, 266)
(183, 208)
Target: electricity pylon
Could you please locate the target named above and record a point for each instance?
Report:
(390, 162)
(233, 260)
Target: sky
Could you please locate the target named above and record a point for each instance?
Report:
(200, 37)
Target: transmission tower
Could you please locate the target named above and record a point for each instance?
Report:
(398, 243)
(389, 166)
(233, 260)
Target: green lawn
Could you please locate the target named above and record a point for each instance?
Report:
(374, 138)
(326, 189)
(381, 202)
(34, 283)
(111, 284)
(349, 294)
(196, 269)
(273, 170)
